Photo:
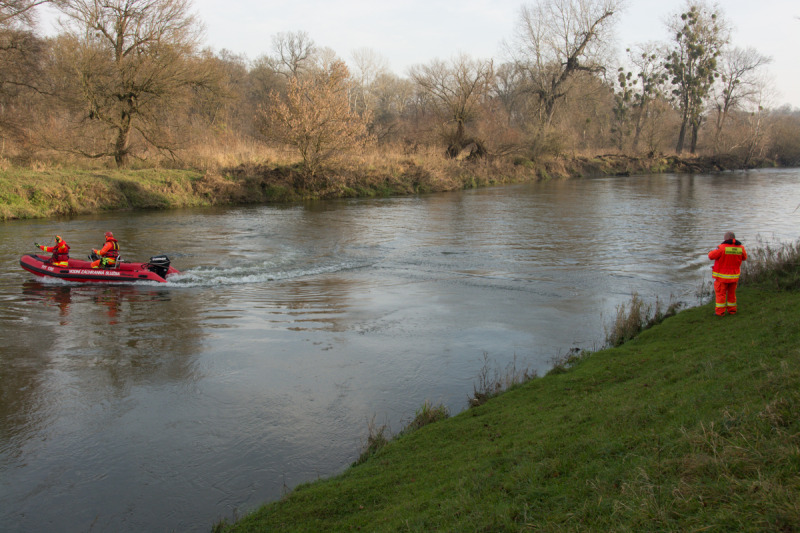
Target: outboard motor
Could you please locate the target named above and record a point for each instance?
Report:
(159, 265)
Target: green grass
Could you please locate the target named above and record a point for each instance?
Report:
(694, 425)
(62, 191)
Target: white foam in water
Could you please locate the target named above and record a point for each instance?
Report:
(239, 275)
(70, 283)
(205, 277)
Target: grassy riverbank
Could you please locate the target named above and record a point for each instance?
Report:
(50, 190)
(693, 425)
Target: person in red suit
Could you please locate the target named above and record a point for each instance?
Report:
(108, 254)
(60, 251)
(727, 258)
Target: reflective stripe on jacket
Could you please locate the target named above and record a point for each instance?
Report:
(60, 251)
(727, 258)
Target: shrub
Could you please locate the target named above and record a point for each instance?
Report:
(562, 364)
(636, 317)
(492, 382)
(427, 414)
(776, 266)
(376, 439)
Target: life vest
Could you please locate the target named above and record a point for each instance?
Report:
(728, 258)
(112, 252)
(60, 252)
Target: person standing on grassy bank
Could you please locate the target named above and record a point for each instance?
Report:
(727, 258)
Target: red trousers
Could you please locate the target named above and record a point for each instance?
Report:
(725, 292)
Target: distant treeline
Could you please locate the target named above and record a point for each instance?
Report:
(127, 81)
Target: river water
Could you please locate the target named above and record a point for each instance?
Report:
(169, 407)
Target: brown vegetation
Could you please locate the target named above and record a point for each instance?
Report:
(315, 118)
(131, 88)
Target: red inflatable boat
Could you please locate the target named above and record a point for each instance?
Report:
(157, 269)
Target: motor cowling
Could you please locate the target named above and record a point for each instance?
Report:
(159, 265)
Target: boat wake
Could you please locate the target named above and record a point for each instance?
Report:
(247, 274)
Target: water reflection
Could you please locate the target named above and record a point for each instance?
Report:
(102, 336)
(141, 408)
(58, 295)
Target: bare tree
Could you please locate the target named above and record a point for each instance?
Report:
(738, 83)
(265, 78)
(508, 88)
(323, 60)
(131, 59)
(368, 67)
(18, 12)
(315, 118)
(555, 39)
(226, 110)
(393, 96)
(294, 53)
(458, 88)
(755, 139)
(785, 136)
(21, 58)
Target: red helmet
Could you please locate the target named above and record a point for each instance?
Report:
(58, 238)
(109, 234)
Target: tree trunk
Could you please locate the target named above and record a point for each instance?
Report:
(681, 136)
(459, 133)
(549, 110)
(718, 128)
(637, 128)
(121, 147)
(693, 143)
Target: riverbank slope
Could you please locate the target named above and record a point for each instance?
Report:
(693, 425)
(52, 191)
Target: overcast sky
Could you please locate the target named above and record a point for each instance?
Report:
(408, 32)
